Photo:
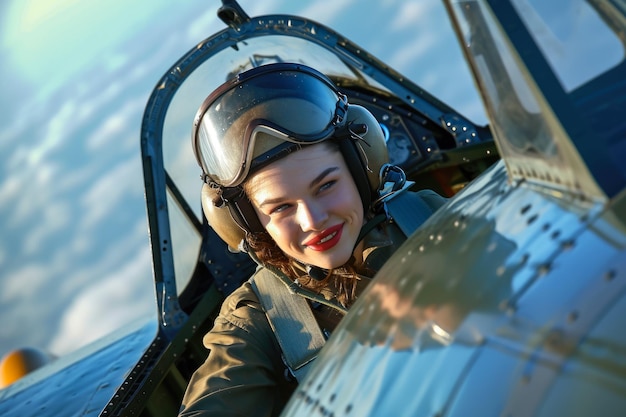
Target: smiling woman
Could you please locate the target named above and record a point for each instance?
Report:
(304, 176)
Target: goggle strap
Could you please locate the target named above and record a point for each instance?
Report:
(341, 109)
(241, 209)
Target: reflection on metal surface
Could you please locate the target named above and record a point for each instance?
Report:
(486, 307)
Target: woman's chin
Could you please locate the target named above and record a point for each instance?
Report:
(332, 262)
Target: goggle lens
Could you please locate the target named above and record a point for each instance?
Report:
(257, 112)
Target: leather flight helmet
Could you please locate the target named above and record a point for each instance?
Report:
(264, 114)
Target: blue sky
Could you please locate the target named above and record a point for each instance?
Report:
(74, 251)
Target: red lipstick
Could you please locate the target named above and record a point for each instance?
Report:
(326, 239)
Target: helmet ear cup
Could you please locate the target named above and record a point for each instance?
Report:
(372, 154)
(221, 219)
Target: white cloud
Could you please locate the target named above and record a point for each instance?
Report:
(93, 99)
(24, 283)
(107, 257)
(413, 14)
(58, 130)
(112, 128)
(38, 294)
(257, 8)
(50, 218)
(112, 300)
(411, 57)
(9, 190)
(119, 125)
(26, 192)
(199, 27)
(107, 194)
(417, 23)
(69, 179)
(81, 244)
(325, 10)
(13, 131)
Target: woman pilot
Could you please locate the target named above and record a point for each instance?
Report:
(292, 176)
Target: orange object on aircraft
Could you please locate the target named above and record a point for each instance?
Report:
(20, 362)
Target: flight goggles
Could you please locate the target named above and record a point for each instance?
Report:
(244, 121)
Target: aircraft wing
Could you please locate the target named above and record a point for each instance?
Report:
(84, 382)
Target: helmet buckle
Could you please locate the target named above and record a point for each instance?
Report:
(392, 179)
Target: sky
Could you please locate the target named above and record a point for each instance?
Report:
(75, 261)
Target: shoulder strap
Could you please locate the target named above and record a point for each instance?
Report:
(290, 316)
(410, 209)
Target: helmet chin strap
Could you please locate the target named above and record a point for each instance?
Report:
(240, 208)
(317, 273)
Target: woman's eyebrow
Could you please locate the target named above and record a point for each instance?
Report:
(320, 177)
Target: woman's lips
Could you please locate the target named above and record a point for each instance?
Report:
(326, 239)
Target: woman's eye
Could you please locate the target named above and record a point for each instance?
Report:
(279, 209)
(327, 185)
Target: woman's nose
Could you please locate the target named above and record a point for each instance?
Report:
(311, 216)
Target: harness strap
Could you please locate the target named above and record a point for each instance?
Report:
(410, 209)
(290, 316)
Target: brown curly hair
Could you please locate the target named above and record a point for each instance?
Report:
(342, 280)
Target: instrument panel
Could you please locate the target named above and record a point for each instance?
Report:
(412, 140)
